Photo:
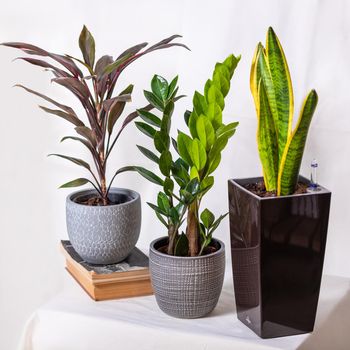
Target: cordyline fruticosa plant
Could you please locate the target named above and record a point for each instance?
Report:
(95, 93)
(196, 157)
(280, 148)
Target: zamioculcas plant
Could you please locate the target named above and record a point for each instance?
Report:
(280, 147)
(95, 91)
(187, 173)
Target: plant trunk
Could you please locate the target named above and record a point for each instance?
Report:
(104, 191)
(192, 230)
(172, 240)
(103, 180)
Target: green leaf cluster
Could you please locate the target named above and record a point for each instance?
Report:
(280, 147)
(186, 162)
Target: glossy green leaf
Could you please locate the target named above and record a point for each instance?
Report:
(168, 186)
(149, 154)
(198, 154)
(160, 87)
(207, 218)
(184, 144)
(200, 104)
(163, 202)
(215, 96)
(146, 129)
(149, 117)
(205, 132)
(161, 141)
(165, 162)
(214, 113)
(147, 174)
(216, 224)
(157, 210)
(181, 246)
(154, 100)
(172, 87)
(192, 124)
(187, 115)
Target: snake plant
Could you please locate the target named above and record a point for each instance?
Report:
(95, 91)
(280, 147)
(187, 171)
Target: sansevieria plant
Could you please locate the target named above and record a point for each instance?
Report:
(280, 147)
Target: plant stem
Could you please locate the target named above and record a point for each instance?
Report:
(192, 230)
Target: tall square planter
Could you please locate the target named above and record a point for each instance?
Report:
(277, 247)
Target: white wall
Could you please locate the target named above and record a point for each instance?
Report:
(316, 38)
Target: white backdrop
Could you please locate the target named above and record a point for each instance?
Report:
(316, 38)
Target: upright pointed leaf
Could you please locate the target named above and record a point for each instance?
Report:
(282, 86)
(267, 141)
(160, 87)
(87, 46)
(291, 160)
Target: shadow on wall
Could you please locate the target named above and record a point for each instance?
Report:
(332, 331)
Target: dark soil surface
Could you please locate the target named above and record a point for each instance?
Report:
(207, 250)
(259, 189)
(93, 201)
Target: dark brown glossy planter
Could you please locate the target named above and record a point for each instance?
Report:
(277, 247)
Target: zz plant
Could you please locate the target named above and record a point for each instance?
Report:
(187, 171)
(95, 91)
(280, 147)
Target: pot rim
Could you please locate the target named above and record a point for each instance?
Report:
(237, 181)
(155, 251)
(135, 197)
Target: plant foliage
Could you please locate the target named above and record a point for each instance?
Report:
(95, 91)
(187, 163)
(280, 148)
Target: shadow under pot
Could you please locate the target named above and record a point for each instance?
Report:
(277, 246)
(104, 234)
(186, 287)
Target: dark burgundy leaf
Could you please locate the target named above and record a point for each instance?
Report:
(44, 64)
(67, 109)
(132, 50)
(69, 117)
(87, 133)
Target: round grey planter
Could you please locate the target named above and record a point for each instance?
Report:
(104, 234)
(187, 287)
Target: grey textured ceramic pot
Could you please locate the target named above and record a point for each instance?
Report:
(104, 234)
(186, 287)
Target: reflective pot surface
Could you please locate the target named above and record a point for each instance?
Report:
(277, 247)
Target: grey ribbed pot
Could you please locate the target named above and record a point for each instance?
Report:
(104, 234)
(186, 287)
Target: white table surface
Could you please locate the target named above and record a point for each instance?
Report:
(72, 321)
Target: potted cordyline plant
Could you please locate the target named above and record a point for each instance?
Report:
(278, 226)
(103, 223)
(187, 268)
